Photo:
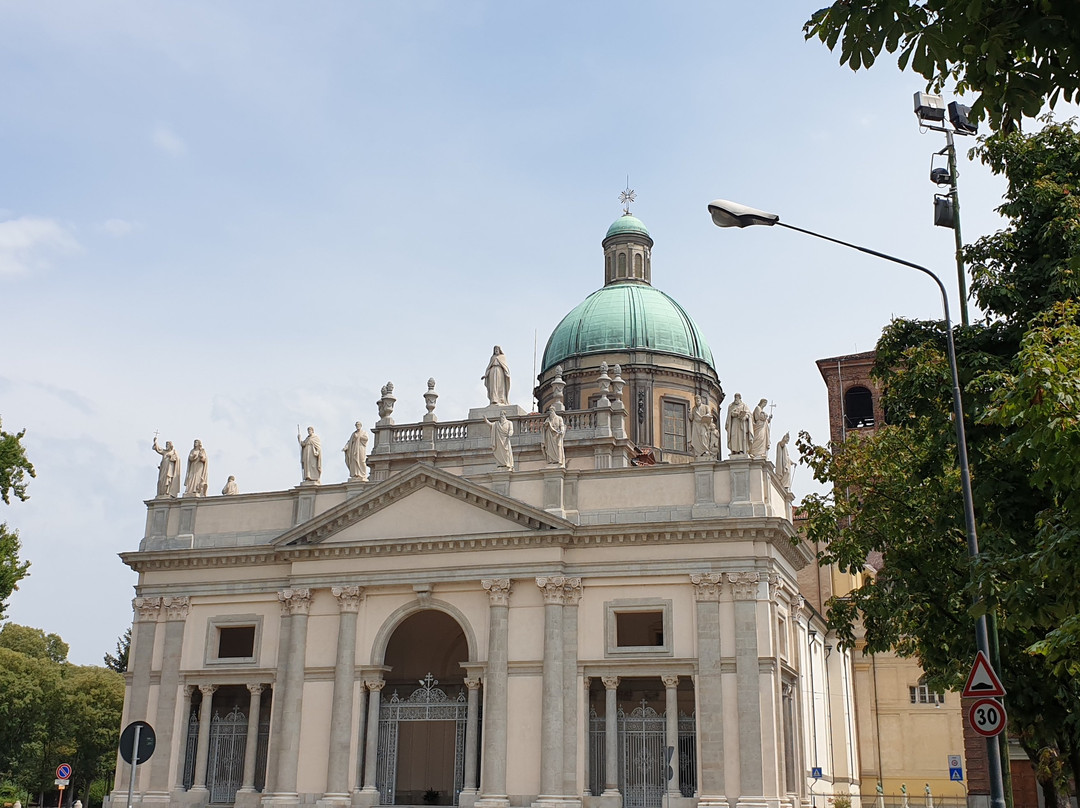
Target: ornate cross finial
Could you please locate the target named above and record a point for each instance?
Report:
(626, 197)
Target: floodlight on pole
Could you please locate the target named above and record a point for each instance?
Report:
(732, 214)
(931, 110)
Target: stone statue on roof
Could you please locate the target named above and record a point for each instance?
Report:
(497, 378)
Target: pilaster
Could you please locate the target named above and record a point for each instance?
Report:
(493, 764)
(709, 690)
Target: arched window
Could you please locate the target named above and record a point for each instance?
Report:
(638, 272)
(622, 265)
(858, 408)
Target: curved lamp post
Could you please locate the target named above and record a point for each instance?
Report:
(732, 214)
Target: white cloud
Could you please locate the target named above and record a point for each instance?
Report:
(168, 141)
(26, 242)
(118, 228)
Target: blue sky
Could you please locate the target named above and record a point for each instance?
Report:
(221, 220)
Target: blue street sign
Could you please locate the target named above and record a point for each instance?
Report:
(816, 772)
(956, 773)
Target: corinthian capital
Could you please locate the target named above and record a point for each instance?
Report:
(176, 608)
(706, 585)
(498, 590)
(348, 597)
(294, 601)
(553, 589)
(744, 585)
(146, 608)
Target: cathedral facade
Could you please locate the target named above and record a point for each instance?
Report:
(592, 605)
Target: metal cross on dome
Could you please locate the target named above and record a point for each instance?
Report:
(626, 197)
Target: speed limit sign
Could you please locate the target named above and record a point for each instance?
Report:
(987, 717)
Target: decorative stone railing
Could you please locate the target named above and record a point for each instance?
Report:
(464, 437)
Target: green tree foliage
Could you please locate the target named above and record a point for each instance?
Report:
(119, 661)
(12, 570)
(15, 467)
(53, 712)
(897, 492)
(33, 642)
(1016, 55)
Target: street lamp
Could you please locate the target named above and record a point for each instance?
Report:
(930, 110)
(732, 214)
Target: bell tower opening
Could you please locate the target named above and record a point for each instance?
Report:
(423, 716)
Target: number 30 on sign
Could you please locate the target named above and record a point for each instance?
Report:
(987, 717)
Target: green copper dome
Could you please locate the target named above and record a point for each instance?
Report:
(627, 224)
(627, 315)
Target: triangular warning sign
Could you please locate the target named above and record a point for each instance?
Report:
(982, 681)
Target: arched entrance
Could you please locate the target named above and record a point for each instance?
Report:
(422, 720)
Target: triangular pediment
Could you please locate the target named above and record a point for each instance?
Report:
(422, 502)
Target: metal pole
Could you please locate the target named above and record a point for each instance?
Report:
(954, 192)
(982, 641)
(134, 763)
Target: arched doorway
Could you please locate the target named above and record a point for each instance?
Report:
(422, 720)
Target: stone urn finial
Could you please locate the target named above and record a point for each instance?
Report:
(386, 405)
(429, 400)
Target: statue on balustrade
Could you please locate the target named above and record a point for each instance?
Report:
(501, 432)
(310, 455)
(554, 431)
(760, 445)
(783, 461)
(704, 433)
(356, 454)
(168, 481)
(740, 427)
(497, 378)
(231, 488)
(197, 479)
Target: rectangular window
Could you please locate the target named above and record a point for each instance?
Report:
(674, 426)
(921, 694)
(233, 639)
(236, 642)
(638, 627)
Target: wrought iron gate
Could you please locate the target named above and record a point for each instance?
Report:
(225, 767)
(426, 703)
(642, 762)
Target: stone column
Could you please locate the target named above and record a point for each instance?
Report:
(472, 725)
(493, 763)
(202, 750)
(571, 694)
(146, 615)
(551, 715)
(371, 738)
(709, 689)
(298, 602)
(744, 588)
(175, 610)
(277, 696)
(341, 715)
(671, 709)
(586, 790)
(361, 725)
(611, 737)
(251, 745)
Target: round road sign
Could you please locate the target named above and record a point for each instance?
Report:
(147, 741)
(987, 717)
(63, 771)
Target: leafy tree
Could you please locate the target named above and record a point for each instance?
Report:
(33, 642)
(898, 492)
(119, 662)
(30, 711)
(93, 703)
(1016, 55)
(15, 467)
(12, 570)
